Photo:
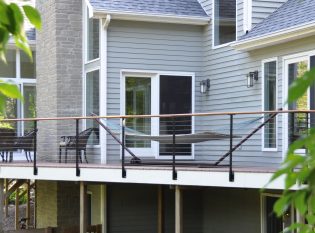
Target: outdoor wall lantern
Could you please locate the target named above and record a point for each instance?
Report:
(204, 86)
(251, 76)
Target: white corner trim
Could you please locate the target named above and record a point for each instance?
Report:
(132, 16)
(90, 8)
(278, 37)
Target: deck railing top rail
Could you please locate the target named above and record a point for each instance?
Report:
(157, 115)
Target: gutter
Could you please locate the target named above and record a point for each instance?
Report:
(131, 16)
(275, 38)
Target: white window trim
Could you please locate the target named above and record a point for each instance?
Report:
(263, 148)
(155, 105)
(263, 197)
(86, 7)
(213, 31)
(285, 60)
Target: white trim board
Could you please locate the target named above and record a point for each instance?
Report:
(145, 175)
(145, 17)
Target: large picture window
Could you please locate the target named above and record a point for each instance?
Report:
(19, 70)
(224, 23)
(270, 103)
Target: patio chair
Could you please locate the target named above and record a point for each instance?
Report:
(7, 139)
(69, 143)
(26, 143)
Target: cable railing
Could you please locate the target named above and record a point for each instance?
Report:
(202, 140)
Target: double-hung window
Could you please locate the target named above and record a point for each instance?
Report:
(270, 103)
(224, 23)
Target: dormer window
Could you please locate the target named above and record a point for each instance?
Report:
(224, 22)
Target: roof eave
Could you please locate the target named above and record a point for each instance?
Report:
(275, 38)
(131, 16)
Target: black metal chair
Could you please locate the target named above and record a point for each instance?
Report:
(69, 143)
(26, 143)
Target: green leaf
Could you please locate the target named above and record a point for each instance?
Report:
(282, 204)
(17, 20)
(10, 90)
(299, 199)
(33, 16)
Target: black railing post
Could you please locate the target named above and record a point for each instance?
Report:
(35, 149)
(231, 173)
(174, 151)
(77, 147)
(123, 169)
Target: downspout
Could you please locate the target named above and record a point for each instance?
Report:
(103, 82)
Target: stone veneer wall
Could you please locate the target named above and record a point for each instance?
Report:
(59, 71)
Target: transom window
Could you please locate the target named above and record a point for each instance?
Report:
(224, 24)
(21, 71)
(92, 38)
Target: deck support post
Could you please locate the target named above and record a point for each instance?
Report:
(104, 208)
(1, 204)
(83, 205)
(6, 200)
(160, 209)
(17, 204)
(28, 204)
(178, 210)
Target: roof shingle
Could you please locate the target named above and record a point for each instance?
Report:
(293, 13)
(154, 7)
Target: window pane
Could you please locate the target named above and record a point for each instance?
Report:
(270, 95)
(224, 21)
(9, 70)
(29, 106)
(10, 112)
(92, 102)
(93, 39)
(138, 102)
(27, 66)
(297, 121)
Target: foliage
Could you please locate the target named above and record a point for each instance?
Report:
(12, 26)
(299, 170)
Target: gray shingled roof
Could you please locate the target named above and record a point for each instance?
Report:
(291, 14)
(154, 7)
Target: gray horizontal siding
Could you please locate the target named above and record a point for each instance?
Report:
(263, 8)
(149, 46)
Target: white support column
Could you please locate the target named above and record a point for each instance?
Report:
(83, 205)
(178, 210)
(104, 208)
(103, 81)
(1, 204)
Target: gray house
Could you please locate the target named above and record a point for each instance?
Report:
(185, 97)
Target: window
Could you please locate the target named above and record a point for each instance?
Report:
(8, 70)
(270, 103)
(138, 102)
(20, 71)
(271, 223)
(92, 103)
(93, 34)
(224, 23)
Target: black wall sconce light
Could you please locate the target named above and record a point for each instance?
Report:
(251, 76)
(204, 86)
